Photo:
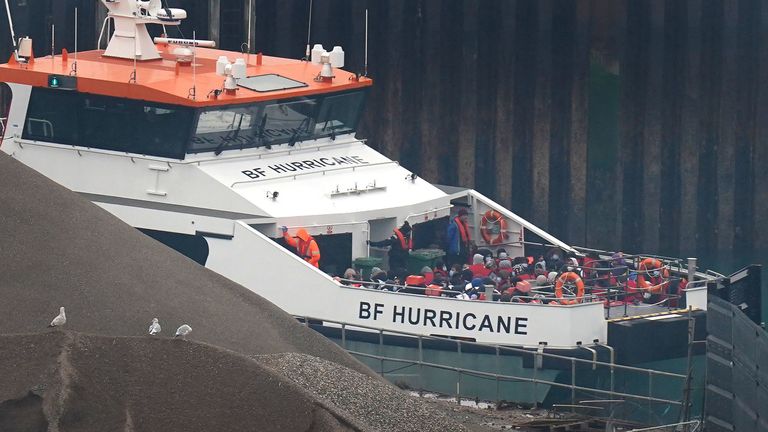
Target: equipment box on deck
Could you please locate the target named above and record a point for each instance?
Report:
(365, 264)
(423, 257)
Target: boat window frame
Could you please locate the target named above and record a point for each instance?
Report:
(260, 108)
(78, 100)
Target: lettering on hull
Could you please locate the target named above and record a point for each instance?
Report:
(443, 319)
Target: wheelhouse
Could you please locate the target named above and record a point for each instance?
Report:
(174, 131)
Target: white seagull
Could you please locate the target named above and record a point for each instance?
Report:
(183, 331)
(154, 328)
(60, 319)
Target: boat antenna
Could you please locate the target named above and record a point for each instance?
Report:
(133, 74)
(10, 25)
(193, 90)
(53, 39)
(365, 63)
(74, 65)
(309, 32)
(250, 16)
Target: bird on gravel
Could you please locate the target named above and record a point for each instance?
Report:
(183, 331)
(60, 319)
(154, 328)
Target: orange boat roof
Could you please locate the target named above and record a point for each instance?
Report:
(159, 81)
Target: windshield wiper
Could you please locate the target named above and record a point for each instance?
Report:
(260, 133)
(304, 124)
(328, 120)
(230, 136)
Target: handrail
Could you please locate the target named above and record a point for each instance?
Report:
(539, 290)
(516, 378)
(344, 325)
(187, 161)
(436, 209)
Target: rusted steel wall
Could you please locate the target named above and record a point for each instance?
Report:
(612, 123)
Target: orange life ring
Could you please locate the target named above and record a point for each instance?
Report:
(490, 220)
(646, 266)
(569, 277)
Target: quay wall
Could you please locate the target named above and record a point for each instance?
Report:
(640, 125)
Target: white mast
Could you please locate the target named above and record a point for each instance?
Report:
(10, 25)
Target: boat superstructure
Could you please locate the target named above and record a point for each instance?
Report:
(213, 152)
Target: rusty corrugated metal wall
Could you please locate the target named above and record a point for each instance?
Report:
(640, 124)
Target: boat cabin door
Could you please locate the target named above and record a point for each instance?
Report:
(381, 229)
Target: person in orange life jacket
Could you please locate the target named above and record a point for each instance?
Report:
(440, 269)
(478, 267)
(596, 272)
(305, 245)
(522, 271)
(459, 239)
(399, 245)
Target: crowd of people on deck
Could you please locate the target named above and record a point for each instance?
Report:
(525, 279)
(473, 273)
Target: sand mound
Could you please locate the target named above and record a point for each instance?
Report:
(58, 249)
(69, 381)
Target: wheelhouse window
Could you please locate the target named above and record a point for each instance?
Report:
(232, 126)
(276, 122)
(339, 113)
(107, 123)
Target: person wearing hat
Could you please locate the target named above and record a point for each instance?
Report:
(306, 246)
(478, 266)
(400, 244)
(459, 239)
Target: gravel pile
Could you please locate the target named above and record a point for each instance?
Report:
(59, 249)
(381, 407)
(71, 382)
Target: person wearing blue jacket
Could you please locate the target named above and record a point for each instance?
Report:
(459, 239)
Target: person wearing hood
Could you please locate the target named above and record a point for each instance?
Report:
(554, 259)
(306, 246)
(478, 266)
(399, 245)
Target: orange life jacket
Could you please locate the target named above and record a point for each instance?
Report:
(463, 230)
(405, 244)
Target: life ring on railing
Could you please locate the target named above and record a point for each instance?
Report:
(488, 227)
(573, 278)
(648, 265)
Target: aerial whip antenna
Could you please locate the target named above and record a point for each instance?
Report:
(193, 90)
(53, 39)
(10, 25)
(365, 66)
(309, 31)
(250, 15)
(74, 65)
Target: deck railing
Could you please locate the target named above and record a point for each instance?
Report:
(579, 393)
(633, 401)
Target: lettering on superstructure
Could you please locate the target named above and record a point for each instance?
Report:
(303, 166)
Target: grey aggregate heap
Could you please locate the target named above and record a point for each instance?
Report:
(382, 407)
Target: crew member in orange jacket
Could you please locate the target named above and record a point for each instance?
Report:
(305, 245)
(399, 244)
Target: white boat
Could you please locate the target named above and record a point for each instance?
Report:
(213, 152)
